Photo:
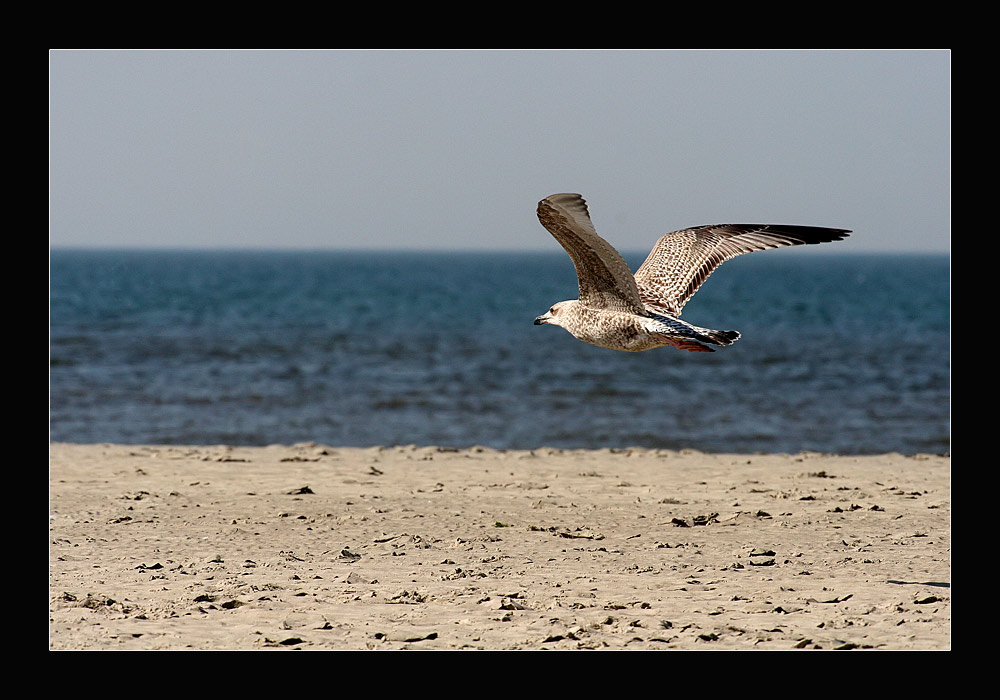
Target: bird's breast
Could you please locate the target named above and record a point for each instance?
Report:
(615, 330)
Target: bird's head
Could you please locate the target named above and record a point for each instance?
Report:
(556, 314)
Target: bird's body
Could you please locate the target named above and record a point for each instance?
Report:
(622, 311)
(632, 332)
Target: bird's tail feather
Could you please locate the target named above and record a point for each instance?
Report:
(685, 336)
(718, 337)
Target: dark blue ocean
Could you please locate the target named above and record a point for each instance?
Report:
(843, 353)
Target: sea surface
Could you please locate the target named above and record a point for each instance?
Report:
(843, 353)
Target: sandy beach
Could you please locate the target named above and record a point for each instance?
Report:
(308, 547)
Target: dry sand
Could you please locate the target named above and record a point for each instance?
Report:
(311, 547)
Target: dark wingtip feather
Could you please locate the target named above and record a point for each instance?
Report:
(809, 235)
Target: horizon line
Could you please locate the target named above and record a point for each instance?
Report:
(414, 250)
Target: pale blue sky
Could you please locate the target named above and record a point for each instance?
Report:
(451, 150)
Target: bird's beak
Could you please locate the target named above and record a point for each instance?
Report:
(541, 319)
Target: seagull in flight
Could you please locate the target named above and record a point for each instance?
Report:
(622, 311)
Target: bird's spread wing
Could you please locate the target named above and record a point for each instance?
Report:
(605, 280)
(681, 261)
